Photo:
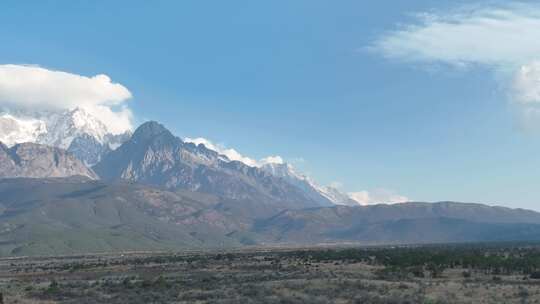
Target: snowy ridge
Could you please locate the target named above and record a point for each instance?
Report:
(337, 197)
(308, 185)
(74, 130)
(64, 127)
(15, 130)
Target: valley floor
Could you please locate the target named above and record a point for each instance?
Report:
(271, 276)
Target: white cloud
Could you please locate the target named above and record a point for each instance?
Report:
(336, 185)
(232, 154)
(502, 37)
(527, 83)
(272, 160)
(24, 87)
(377, 196)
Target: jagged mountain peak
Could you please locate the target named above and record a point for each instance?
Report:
(154, 156)
(150, 130)
(156, 136)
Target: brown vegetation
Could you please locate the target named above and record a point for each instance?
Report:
(443, 274)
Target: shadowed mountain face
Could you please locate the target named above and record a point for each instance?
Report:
(154, 156)
(79, 215)
(38, 161)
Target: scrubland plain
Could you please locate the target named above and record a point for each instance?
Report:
(487, 273)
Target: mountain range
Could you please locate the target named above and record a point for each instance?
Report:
(154, 156)
(78, 215)
(86, 137)
(69, 185)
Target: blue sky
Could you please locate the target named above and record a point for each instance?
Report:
(349, 91)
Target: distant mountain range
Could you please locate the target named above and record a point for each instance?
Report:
(76, 187)
(401, 223)
(79, 215)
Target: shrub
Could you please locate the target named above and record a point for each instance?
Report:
(53, 287)
(418, 272)
(535, 275)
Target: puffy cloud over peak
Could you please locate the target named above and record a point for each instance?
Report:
(378, 196)
(26, 87)
(272, 160)
(232, 154)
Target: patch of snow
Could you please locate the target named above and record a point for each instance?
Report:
(64, 127)
(14, 130)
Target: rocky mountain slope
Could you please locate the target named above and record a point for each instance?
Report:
(156, 157)
(39, 161)
(77, 215)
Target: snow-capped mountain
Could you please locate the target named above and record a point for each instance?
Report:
(64, 127)
(154, 156)
(337, 197)
(74, 130)
(323, 194)
(287, 172)
(85, 136)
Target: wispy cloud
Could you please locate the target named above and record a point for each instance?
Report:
(505, 35)
(504, 38)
